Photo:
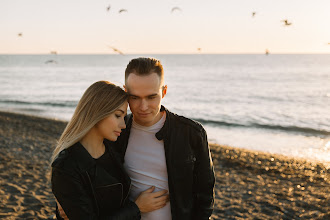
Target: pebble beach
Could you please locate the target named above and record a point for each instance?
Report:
(249, 184)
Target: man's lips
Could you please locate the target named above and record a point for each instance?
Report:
(143, 114)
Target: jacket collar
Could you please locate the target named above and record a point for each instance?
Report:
(81, 156)
(162, 133)
(85, 161)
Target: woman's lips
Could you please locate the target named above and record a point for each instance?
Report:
(117, 133)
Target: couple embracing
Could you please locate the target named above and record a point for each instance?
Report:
(151, 164)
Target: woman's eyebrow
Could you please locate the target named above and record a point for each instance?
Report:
(121, 111)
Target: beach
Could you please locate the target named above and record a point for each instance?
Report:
(249, 184)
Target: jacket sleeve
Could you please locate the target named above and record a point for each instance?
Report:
(204, 180)
(77, 204)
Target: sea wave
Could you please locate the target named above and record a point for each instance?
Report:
(57, 103)
(295, 129)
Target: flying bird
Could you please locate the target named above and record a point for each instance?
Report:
(116, 50)
(122, 10)
(286, 23)
(267, 52)
(20, 34)
(175, 9)
(199, 49)
(53, 52)
(253, 14)
(50, 61)
(108, 8)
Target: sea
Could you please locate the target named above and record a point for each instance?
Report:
(271, 103)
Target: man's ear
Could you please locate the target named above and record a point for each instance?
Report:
(164, 91)
(125, 88)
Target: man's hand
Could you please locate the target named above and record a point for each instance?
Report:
(149, 201)
(61, 211)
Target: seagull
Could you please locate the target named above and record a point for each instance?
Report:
(267, 52)
(175, 9)
(253, 14)
(53, 52)
(286, 23)
(199, 49)
(20, 34)
(122, 10)
(108, 8)
(50, 61)
(116, 50)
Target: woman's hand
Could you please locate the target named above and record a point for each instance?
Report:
(149, 201)
(61, 211)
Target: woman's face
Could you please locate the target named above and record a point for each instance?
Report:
(111, 126)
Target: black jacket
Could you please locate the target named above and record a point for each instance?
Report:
(87, 191)
(189, 165)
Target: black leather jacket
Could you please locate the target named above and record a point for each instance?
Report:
(86, 190)
(189, 165)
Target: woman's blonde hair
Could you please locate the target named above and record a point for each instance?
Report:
(100, 100)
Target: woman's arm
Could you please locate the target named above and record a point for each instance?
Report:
(77, 204)
(72, 196)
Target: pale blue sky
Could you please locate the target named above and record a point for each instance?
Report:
(216, 26)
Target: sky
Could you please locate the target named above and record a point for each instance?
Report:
(149, 27)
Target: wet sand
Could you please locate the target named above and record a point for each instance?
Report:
(250, 185)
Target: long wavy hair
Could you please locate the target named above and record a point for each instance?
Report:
(100, 100)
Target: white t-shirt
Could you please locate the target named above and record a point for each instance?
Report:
(146, 165)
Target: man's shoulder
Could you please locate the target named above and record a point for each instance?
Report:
(184, 121)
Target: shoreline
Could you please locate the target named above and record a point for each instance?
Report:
(300, 157)
(250, 184)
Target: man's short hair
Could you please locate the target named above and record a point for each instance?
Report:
(144, 66)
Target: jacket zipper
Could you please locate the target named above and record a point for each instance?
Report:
(129, 189)
(122, 190)
(90, 183)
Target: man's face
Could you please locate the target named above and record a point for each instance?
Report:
(145, 95)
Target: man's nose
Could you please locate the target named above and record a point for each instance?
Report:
(144, 105)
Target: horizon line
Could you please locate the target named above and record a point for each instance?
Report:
(2, 54)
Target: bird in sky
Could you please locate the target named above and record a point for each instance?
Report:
(51, 61)
(254, 14)
(53, 52)
(286, 22)
(199, 49)
(20, 34)
(122, 10)
(116, 50)
(108, 8)
(266, 51)
(175, 9)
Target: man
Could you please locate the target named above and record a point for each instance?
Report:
(162, 149)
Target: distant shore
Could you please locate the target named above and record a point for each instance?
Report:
(249, 184)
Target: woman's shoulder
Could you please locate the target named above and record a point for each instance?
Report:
(61, 159)
(64, 159)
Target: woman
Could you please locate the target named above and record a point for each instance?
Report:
(88, 180)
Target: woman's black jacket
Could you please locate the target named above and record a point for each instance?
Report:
(87, 191)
